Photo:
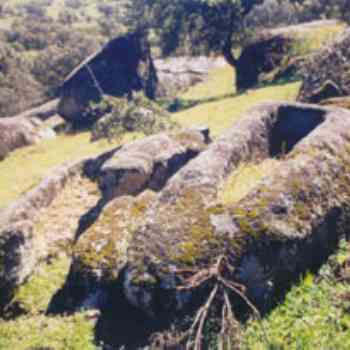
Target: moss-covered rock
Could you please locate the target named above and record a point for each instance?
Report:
(101, 252)
(326, 74)
(36, 225)
(150, 162)
(288, 223)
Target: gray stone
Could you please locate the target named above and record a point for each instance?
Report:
(287, 224)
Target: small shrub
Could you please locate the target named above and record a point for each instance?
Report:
(121, 115)
(74, 4)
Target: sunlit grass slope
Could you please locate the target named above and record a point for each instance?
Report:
(314, 315)
(24, 168)
(41, 332)
(224, 106)
(35, 330)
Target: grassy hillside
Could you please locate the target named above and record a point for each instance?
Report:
(19, 175)
(315, 313)
(217, 106)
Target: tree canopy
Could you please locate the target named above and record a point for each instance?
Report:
(196, 25)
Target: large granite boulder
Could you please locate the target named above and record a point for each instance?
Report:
(281, 53)
(326, 74)
(286, 225)
(121, 67)
(149, 163)
(16, 132)
(263, 55)
(129, 179)
(176, 74)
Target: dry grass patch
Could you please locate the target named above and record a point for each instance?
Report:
(244, 179)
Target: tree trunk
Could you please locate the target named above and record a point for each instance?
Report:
(228, 55)
(230, 58)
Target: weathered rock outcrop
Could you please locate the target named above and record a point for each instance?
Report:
(326, 74)
(122, 66)
(149, 163)
(342, 102)
(29, 232)
(168, 251)
(142, 166)
(16, 132)
(42, 112)
(262, 56)
(21, 246)
(280, 53)
(286, 225)
(176, 74)
(101, 252)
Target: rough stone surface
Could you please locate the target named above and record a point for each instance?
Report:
(42, 112)
(16, 132)
(175, 74)
(121, 67)
(326, 74)
(262, 56)
(101, 251)
(21, 247)
(342, 102)
(271, 55)
(148, 163)
(286, 225)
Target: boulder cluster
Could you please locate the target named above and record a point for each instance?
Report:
(158, 232)
(327, 73)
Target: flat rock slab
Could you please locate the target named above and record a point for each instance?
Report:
(286, 225)
(149, 163)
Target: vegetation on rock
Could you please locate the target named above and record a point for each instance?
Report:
(229, 228)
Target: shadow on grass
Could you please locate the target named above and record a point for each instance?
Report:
(180, 104)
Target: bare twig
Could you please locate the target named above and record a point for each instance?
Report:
(215, 274)
(94, 80)
(204, 313)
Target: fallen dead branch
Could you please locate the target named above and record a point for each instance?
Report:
(220, 293)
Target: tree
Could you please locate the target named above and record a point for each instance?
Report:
(319, 9)
(199, 25)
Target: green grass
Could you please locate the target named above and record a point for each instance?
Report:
(34, 296)
(313, 39)
(74, 332)
(314, 315)
(26, 167)
(226, 106)
(34, 329)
